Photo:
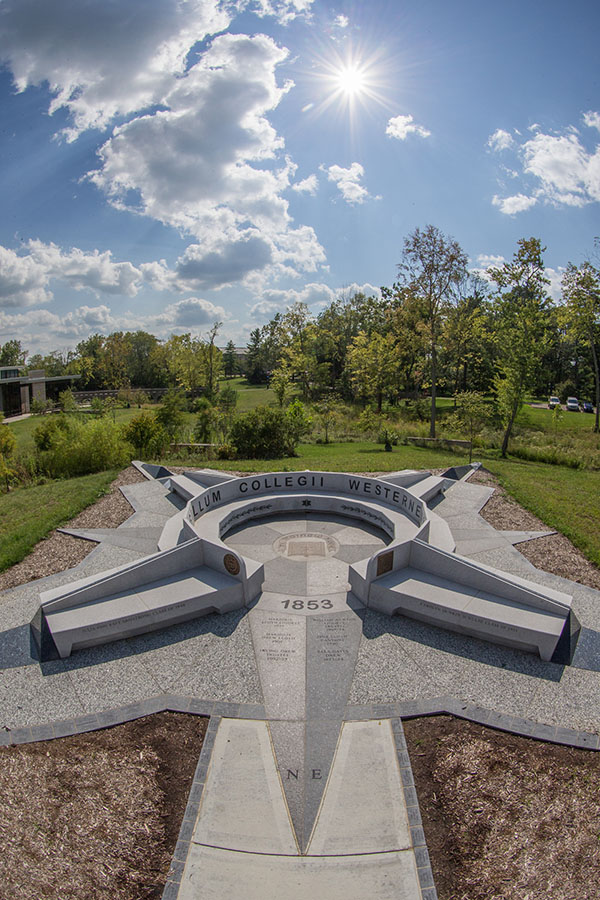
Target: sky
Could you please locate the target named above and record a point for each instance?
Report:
(165, 164)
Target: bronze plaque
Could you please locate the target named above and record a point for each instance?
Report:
(231, 564)
(385, 563)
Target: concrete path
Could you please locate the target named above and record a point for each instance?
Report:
(244, 848)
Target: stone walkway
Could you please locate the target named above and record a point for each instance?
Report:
(306, 790)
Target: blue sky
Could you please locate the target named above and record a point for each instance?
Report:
(168, 163)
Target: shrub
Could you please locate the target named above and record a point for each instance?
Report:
(387, 437)
(97, 406)
(39, 407)
(84, 448)
(261, 433)
(67, 401)
(205, 421)
(299, 422)
(170, 414)
(146, 434)
(51, 431)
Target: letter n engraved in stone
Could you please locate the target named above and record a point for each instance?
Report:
(292, 774)
(385, 563)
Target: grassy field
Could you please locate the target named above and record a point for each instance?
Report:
(567, 500)
(28, 514)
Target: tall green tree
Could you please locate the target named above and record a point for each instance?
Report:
(12, 354)
(521, 308)
(433, 266)
(230, 360)
(372, 366)
(581, 293)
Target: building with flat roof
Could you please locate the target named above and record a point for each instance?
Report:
(18, 388)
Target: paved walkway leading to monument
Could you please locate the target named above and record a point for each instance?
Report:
(313, 791)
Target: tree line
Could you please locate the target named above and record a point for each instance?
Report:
(440, 328)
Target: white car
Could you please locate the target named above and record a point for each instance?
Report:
(553, 402)
(572, 404)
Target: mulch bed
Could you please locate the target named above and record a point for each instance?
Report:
(506, 817)
(96, 815)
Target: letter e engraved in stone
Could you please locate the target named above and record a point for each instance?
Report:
(316, 774)
(385, 563)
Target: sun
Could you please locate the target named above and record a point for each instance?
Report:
(351, 80)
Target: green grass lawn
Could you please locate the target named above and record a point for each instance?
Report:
(250, 395)
(567, 500)
(570, 422)
(28, 514)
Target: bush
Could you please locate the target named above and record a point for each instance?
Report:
(84, 448)
(67, 401)
(170, 414)
(299, 422)
(51, 431)
(39, 407)
(146, 434)
(97, 407)
(262, 433)
(205, 421)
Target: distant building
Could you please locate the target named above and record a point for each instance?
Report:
(18, 389)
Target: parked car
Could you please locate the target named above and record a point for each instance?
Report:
(586, 406)
(553, 402)
(572, 404)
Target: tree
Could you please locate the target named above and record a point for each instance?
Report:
(372, 366)
(581, 293)
(170, 414)
(432, 267)
(230, 360)
(520, 318)
(214, 361)
(472, 412)
(281, 382)
(12, 354)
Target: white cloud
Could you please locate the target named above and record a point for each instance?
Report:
(485, 260)
(191, 313)
(401, 126)
(560, 169)
(592, 120)
(316, 296)
(93, 271)
(347, 181)
(285, 11)
(196, 165)
(307, 185)
(225, 262)
(515, 204)
(500, 140)
(25, 277)
(567, 172)
(23, 281)
(101, 59)
(341, 21)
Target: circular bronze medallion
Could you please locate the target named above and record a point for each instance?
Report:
(231, 564)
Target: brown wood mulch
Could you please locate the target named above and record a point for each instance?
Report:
(555, 553)
(96, 815)
(506, 817)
